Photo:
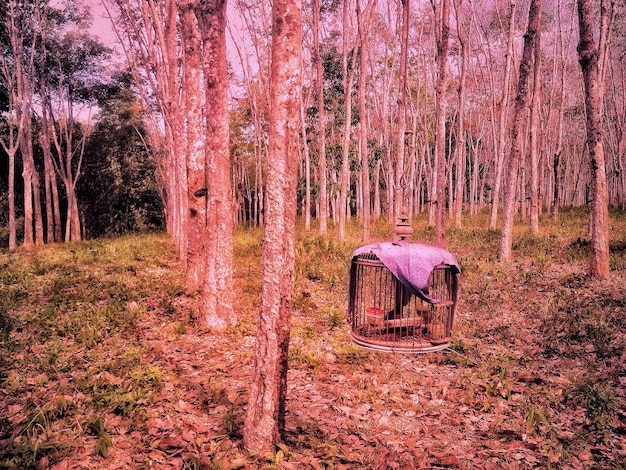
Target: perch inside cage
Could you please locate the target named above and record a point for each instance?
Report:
(403, 297)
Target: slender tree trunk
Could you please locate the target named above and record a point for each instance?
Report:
(443, 48)
(559, 145)
(265, 416)
(363, 130)
(321, 124)
(534, 139)
(348, 78)
(217, 289)
(307, 169)
(11, 197)
(518, 134)
(398, 198)
(377, 210)
(53, 213)
(28, 161)
(504, 108)
(177, 124)
(27, 176)
(460, 131)
(591, 63)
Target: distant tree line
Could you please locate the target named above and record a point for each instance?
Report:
(75, 158)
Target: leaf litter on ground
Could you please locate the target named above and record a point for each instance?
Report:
(104, 366)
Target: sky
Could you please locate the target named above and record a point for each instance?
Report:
(102, 28)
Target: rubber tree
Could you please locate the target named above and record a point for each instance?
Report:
(592, 62)
(265, 416)
(518, 135)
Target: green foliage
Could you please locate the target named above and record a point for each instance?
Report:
(352, 354)
(582, 324)
(336, 317)
(78, 319)
(96, 428)
(597, 399)
(536, 417)
(117, 190)
(323, 259)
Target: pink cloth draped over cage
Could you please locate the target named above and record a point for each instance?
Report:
(411, 264)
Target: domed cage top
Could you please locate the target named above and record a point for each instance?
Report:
(403, 297)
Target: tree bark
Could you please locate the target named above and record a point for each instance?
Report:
(348, 78)
(590, 59)
(398, 198)
(265, 417)
(504, 108)
(363, 126)
(307, 169)
(321, 121)
(195, 220)
(217, 311)
(460, 132)
(443, 48)
(534, 139)
(556, 159)
(518, 134)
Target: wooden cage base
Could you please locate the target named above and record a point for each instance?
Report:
(408, 345)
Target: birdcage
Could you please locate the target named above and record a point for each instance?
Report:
(403, 297)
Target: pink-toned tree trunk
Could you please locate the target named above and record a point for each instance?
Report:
(399, 197)
(535, 134)
(518, 134)
(321, 121)
(348, 78)
(307, 169)
(443, 47)
(217, 289)
(460, 130)
(591, 63)
(265, 416)
(192, 90)
(503, 124)
(363, 125)
(556, 158)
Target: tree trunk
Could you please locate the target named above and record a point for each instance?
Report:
(518, 134)
(36, 226)
(53, 213)
(376, 207)
(591, 63)
(398, 198)
(534, 139)
(559, 140)
(11, 197)
(321, 121)
(265, 416)
(443, 47)
(195, 220)
(363, 130)
(217, 310)
(460, 131)
(348, 78)
(307, 169)
(504, 108)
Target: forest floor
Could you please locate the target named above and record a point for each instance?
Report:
(103, 365)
